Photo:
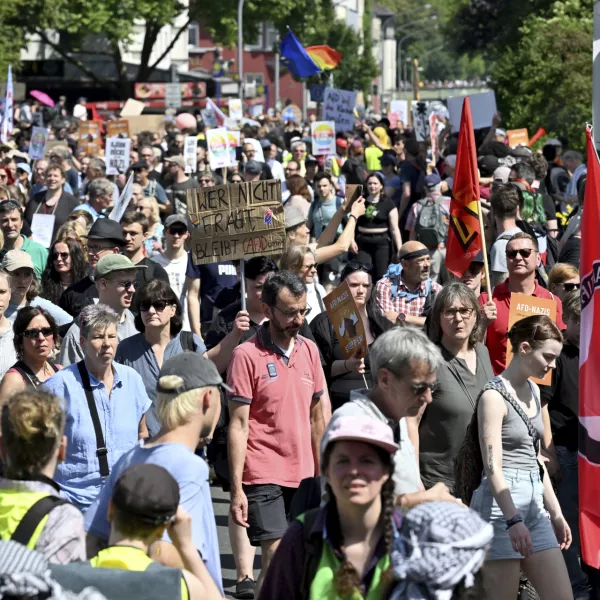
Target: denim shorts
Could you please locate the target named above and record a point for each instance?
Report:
(527, 492)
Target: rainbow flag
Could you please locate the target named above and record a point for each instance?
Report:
(324, 57)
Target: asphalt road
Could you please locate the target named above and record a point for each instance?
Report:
(221, 508)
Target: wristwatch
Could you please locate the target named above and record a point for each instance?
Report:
(513, 521)
(401, 318)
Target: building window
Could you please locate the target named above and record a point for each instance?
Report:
(257, 78)
(258, 44)
(193, 35)
(271, 37)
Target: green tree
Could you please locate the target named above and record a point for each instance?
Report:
(545, 79)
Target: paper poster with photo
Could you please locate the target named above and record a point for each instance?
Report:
(189, 153)
(37, 145)
(233, 141)
(518, 137)
(338, 106)
(323, 137)
(522, 306)
(258, 151)
(399, 108)
(236, 112)
(117, 128)
(218, 148)
(420, 119)
(209, 118)
(89, 133)
(346, 321)
(117, 155)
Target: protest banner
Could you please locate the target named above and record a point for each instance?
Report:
(400, 109)
(434, 136)
(89, 133)
(483, 109)
(323, 137)
(517, 137)
(50, 146)
(155, 123)
(209, 118)
(117, 155)
(346, 321)
(522, 306)
(218, 148)
(420, 119)
(123, 202)
(236, 221)
(338, 106)
(132, 108)
(118, 128)
(172, 95)
(235, 109)
(233, 141)
(37, 145)
(189, 153)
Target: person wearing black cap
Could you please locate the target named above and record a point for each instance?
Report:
(144, 505)
(187, 403)
(141, 171)
(252, 170)
(181, 182)
(105, 237)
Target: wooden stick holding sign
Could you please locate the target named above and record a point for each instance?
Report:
(347, 323)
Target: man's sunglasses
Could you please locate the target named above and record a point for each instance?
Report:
(524, 252)
(159, 305)
(33, 334)
(418, 389)
(128, 284)
(177, 230)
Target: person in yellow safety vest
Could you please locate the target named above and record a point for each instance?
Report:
(31, 510)
(342, 550)
(145, 501)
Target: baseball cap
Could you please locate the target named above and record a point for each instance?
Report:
(176, 219)
(359, 429)
(265, 143)
(488, 164)
(23, 166)
(195, 370)
(140, 164)
(432, 180)
(17, 259)
(388, 159)
(502, 174)
(500, 131)
(148, 493)
(106, 229)
(178, 160)
(310, 160)
(253, 167)
(293, 217)
(115, 262)
(478, 258)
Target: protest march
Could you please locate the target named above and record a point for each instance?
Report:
(332, 352)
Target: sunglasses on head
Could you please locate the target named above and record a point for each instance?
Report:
(524, 252)
(33, 334)
(569, 287)
(356, 265)
(57, 255)
(159, 305)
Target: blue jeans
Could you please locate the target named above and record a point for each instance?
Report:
(568, 497)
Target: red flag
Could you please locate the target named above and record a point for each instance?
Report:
(464, 234)
(589, 366)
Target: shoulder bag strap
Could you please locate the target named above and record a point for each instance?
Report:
(33, 517)
(101, 450)
(26, 373)
(452, 368)
(319, 299)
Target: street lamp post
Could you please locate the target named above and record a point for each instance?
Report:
(240, 41)
(417, 22)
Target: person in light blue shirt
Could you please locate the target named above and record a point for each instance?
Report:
(188, 403)
(120, 399)
(101, 193)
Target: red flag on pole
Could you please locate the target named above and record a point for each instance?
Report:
(589, 366)
(464, 233)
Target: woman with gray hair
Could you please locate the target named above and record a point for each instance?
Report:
(105, 404)
(438, 432)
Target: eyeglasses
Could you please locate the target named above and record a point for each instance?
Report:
(206, 181)
(97, 249)
(465, 313)
(32, 334)
(127, 284)
(62, 255)
(177, 230)
(524, 252)
(310, 267)
(569, 287)
(301, 312)
(418, 389)
(159, 305)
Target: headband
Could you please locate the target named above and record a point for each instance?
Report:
(415, 254)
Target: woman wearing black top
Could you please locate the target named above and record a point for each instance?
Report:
(378, 227)
(344, 376)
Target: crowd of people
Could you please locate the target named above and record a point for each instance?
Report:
(132, 379)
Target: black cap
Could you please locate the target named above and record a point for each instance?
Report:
(172, 219)
(478, 258)
(195, 370)
(148, 493)
(107, 229)
(140, 164)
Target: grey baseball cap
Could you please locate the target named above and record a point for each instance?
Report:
(171, 220)
(293, 217)
(253, 167)
(195, 370)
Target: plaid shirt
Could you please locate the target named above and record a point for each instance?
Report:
(412, 307)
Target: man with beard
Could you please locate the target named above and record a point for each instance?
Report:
(277, 416)
(187, 403)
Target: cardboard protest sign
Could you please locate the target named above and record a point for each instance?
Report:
(256, 110)
(338, 106)
(117, 155)
(323, 137)
(483, 109)
(233, 141)
(518, 137)
(400, 108)
(146, 123)
(522, 306)
(189, 153)
(346, 321)
(37, 145)
(132, 108)
(218, 148)
(50, 146)
(172, 95)
(118, 128)
(235, 109)
(420, 119)
(353, 193)
(89, 133)
(123, 202)
(235, 221)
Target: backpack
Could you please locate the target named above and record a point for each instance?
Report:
(430, 227)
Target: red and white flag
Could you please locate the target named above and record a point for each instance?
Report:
(589, 365)
(219, 115)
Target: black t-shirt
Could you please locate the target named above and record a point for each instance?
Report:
(571, 251)
(410, 171)
(563, 398)
(61, 211)
(176, 194)
(72, 178)
(376, 215)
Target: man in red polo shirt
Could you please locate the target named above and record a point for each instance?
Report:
(522, 258)
(276, 414)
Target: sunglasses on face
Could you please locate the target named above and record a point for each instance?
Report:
(418, 389)
(62, 255)
(524, 252)
(177, 230)
(569, 287)
(127, 284)
(33, 334)
(159, 305)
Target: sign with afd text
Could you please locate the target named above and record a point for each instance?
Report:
(346, 321)
(236, 221)
(117, 155)
(518, 137)
(522, 306)
(338, 106)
